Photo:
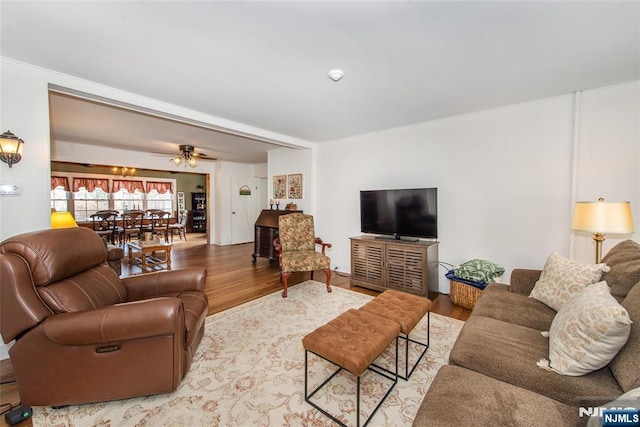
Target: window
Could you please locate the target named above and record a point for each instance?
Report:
(60, 193)
(160, 196)
(128, 195)
(125, 201)
(59, 199)
(84, 194)
(89, 196)
(160, 201)
(86, 203)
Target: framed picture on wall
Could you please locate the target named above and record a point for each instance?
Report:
(279, 186)
(181, 205)
(295, 186)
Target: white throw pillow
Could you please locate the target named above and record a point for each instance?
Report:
(587, 332)
(562, 277)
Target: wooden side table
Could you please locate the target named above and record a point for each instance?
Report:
(146, 254)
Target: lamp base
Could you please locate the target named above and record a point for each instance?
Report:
(598, 238)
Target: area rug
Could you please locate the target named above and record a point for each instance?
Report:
(249, 371)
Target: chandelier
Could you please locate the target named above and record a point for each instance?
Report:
(123, 171)
(187, 155)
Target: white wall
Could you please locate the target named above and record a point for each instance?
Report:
(287, 161)
(25, 111)
(504, 177)
(608, 156)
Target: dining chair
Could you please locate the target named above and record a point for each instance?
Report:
(105, 224)
(133, 223)
(159, 221)
(180, 226)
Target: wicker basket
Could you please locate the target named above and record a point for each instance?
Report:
(464, 295)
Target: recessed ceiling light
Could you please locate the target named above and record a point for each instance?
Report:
(336, 75)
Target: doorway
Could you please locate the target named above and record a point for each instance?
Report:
(248, 198)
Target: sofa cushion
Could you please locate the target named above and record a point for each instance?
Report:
(626, 365)
(460, 397)
(587, 332)
(498, 302)
(624, 263)
(523, 280)
(509, 353)
(562, 277)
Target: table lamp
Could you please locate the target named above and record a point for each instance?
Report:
(62, 220)
(602, 218)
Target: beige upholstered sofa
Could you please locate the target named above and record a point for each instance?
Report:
(493, 379)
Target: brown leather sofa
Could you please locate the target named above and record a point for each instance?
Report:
(81, 333)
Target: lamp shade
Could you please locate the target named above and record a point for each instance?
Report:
(603, 217)
(62, 220)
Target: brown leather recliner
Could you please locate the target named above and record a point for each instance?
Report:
(84, 335)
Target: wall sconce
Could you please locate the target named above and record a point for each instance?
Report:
(10, 148)
(62, 220)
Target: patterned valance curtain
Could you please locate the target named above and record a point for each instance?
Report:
(160, 187)
(60, 181)
(90, 184)
(130, 186)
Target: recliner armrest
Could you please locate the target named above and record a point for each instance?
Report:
(523, 280)
(165, 283)
(121, 322)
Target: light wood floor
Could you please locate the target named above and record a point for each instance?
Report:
(232, 279)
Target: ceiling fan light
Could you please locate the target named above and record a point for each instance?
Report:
(177, 160)
(192, 162)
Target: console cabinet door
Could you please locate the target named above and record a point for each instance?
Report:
(367, 262)
(406, 268)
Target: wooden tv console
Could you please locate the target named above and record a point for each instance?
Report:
(380, 264)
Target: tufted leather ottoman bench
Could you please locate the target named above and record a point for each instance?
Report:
(352, 341)
(407, 310)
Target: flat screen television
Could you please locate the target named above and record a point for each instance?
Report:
(400, 213)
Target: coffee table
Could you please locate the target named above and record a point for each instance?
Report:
(146, 254)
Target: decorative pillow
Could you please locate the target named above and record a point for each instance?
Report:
(587, 332)
(562, 277)
(478, 270)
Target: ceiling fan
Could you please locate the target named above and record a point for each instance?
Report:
(188, 155)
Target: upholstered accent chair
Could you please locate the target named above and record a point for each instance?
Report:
(81, 333)
(296, 247)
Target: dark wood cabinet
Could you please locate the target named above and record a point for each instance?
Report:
(266, 230)
(198, 212)
(382, 264)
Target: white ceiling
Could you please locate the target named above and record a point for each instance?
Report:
(265, 63)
